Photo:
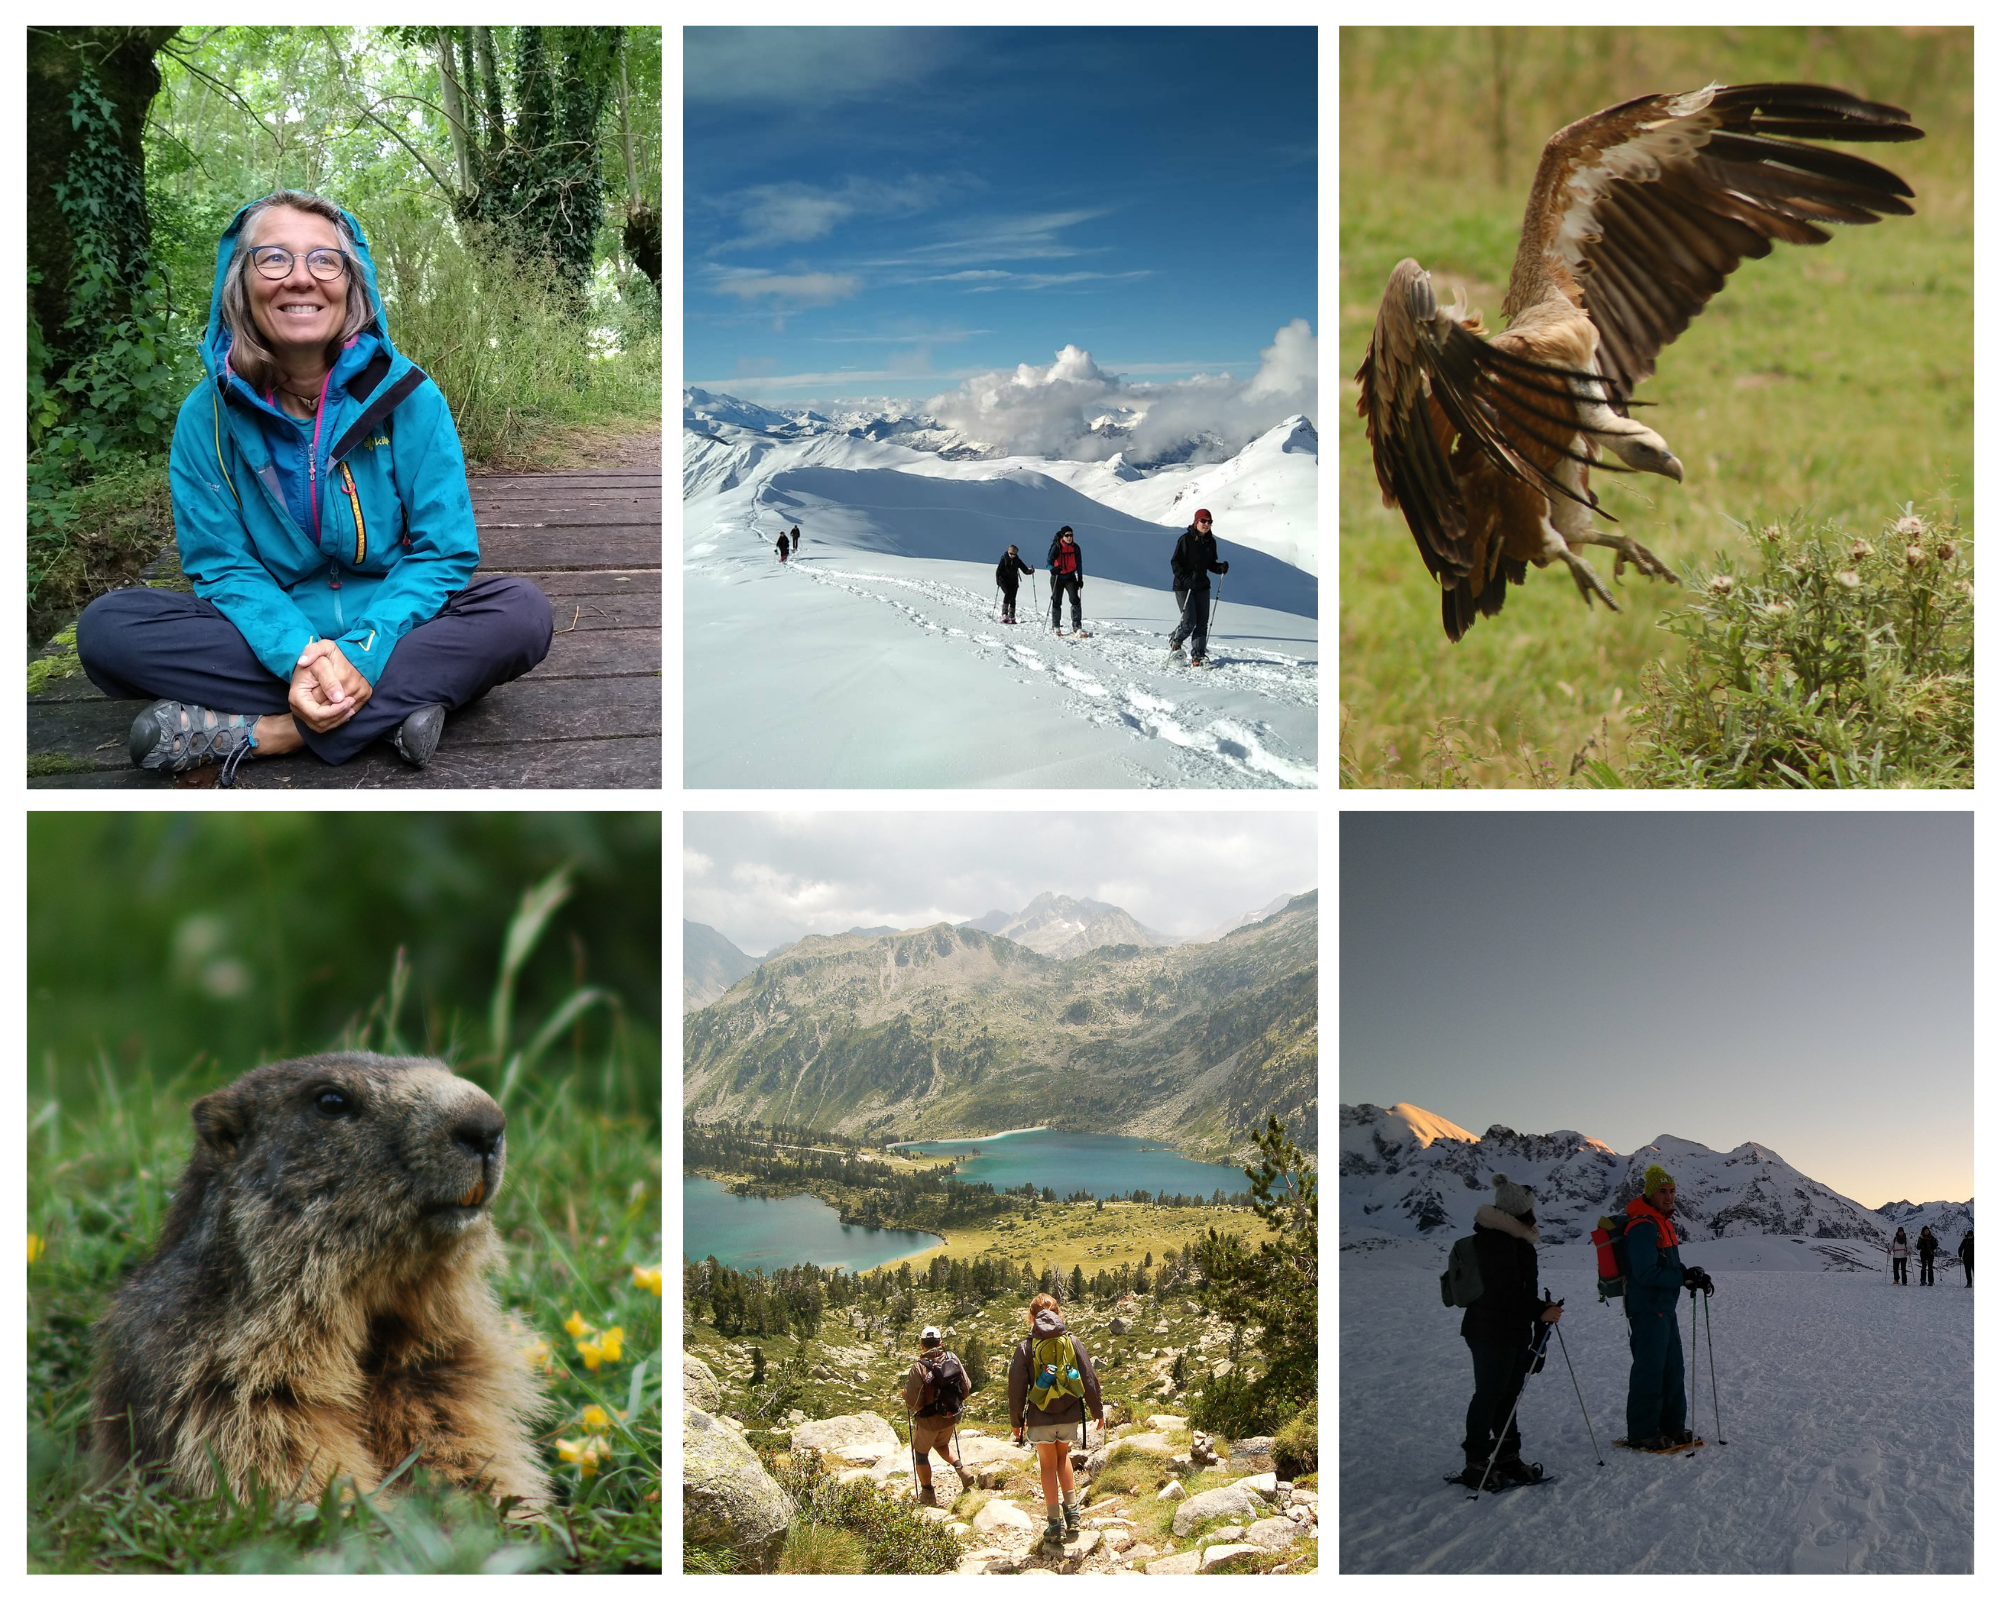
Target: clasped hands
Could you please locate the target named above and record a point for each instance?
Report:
(326, 689)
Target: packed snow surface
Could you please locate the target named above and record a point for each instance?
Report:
(875, 658)
(1846, 1404)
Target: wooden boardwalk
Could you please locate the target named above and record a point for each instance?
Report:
(589, 717)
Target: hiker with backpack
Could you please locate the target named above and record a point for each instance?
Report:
(1066, 574)
(1656, 1395)
(1500, 1329)
(1050, 1385)
(1965, 1256)
(1007, 577)
(934, 1392)
(1193, 560)
(1927, 1249)
(1899, 1258)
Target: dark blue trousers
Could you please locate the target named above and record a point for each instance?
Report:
(1194, 621)
(160, 644)
(1498, 1371)
(1656, 1398)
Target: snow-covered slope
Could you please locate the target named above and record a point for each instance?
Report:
(810, 675)
(1407, 1174)
(1055, 925)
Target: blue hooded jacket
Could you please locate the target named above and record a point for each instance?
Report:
(395, 536)
(1653, 1276)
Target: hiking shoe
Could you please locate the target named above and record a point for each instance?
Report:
(928, 1496)
(1080, 633)
(1072, 1522)
(416, 736)
(169, 736)
(1656, 1442)
(1053, 1533)
(1517, 1471)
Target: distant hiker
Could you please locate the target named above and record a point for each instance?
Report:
(1899, 1258)
(1066, 572)
(1008, 576)
(1050, 1384)
(934, 1391)
(795, 538)
(1927, 1249)
(1656, 1398)
(1193, 560)
(1965, 1255)
(784, 547)
(1499, 1329)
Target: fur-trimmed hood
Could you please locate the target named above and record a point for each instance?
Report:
(1490, 1216)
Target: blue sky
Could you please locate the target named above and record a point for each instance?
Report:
(891, 212)
(1804, 981)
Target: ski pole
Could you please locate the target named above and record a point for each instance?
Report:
(1708, 1316)
(1693, 1366)
(1564, 1344)
(1217, 605)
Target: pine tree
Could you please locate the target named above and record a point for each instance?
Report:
(756, 1364)
(1076, 1285)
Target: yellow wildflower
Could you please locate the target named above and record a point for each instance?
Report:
(35, 1252)
(596, 1419)
(647, 1278)
(576, 1327)
(614, 1344)
(583, 1454)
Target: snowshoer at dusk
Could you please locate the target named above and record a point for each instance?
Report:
(1499, 1329)
(1656, 1397)
(1008, 576)
(1965, 1255)
(1899, 1258)
(1927, 1249)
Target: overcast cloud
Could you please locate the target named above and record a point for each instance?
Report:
(766, 878)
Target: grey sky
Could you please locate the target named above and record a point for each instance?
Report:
(1804, 981)
(764, 878)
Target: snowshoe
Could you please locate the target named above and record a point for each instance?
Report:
(1174, 657)
(1660, 1445)
(1495, 1483)
(1518, 1471)
(1059, 633)
(1080, 633)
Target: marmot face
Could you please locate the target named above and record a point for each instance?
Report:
(390, 1152)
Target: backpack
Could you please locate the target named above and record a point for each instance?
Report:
(1612, 1267)
(945, 1385)
(1058, 1353)
(1460, 1281)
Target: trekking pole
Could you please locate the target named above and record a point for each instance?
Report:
(1693, 1367)
(1216, 605)
(1708, 1316)
(1564, 1344)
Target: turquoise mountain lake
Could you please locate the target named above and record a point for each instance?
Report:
(746, 1231)
(1096, 1163)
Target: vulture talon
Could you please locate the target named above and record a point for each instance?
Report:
(1636, 218)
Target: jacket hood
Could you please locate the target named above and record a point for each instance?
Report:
(214, 343)
(1493, 1217)
(1048, 1324)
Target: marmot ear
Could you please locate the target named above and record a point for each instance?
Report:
(220, 1121)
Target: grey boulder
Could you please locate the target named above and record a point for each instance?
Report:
(726, 1495)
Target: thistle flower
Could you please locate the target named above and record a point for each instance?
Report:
(1860, 550)
(1849, 580)
(1914, 555)
(1721, 584)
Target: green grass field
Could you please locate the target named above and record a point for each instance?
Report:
(1835, 380)
(579, 1210)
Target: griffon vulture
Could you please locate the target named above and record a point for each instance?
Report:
(1636, 217)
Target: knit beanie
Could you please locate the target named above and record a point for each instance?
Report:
(1655, 1176)
(1517, 1200)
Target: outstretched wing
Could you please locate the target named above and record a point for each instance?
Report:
(1643, 210)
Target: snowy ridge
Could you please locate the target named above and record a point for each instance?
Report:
(1408, 1174)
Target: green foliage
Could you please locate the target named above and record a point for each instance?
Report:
(1295, 1446)
(1836, 380)
(1276, 1290)
(892, 1535)
(1129, 1471)
(815, 1547)
(1833, 664)
(101, 1163)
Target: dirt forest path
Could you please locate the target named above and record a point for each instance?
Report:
(589, 717)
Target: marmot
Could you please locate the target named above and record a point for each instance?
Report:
(318, 1302)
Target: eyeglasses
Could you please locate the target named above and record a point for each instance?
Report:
(275, 261)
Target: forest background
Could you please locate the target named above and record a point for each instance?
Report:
(508, 182)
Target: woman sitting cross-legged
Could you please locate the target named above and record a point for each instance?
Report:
(321, 510)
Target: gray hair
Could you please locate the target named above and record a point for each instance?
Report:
(248, 354)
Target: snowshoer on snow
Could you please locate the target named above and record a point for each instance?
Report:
(1050, 1384)
(1499, 1329)
(1965, 1255)
(1927, 1249)
(784, 548)
(1193, 560)
(795, 539)
(1066, 572)
(1008, 576)
(934, 1390)
(1656, 1397)
(1899, 1258)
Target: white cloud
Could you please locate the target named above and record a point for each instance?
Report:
(796, 289)
(1048, 410)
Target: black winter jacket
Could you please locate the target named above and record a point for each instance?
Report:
(1505, 1313)
(1010, 572)
(1194, 559)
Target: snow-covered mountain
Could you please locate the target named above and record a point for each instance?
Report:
(1055, 925)
(1224, 929)
(1407, 1173)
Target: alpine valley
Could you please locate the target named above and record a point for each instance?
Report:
(949, 1032)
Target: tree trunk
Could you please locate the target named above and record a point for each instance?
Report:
(625, 133)
(489, 72)
(454, 109)
(123, 61)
